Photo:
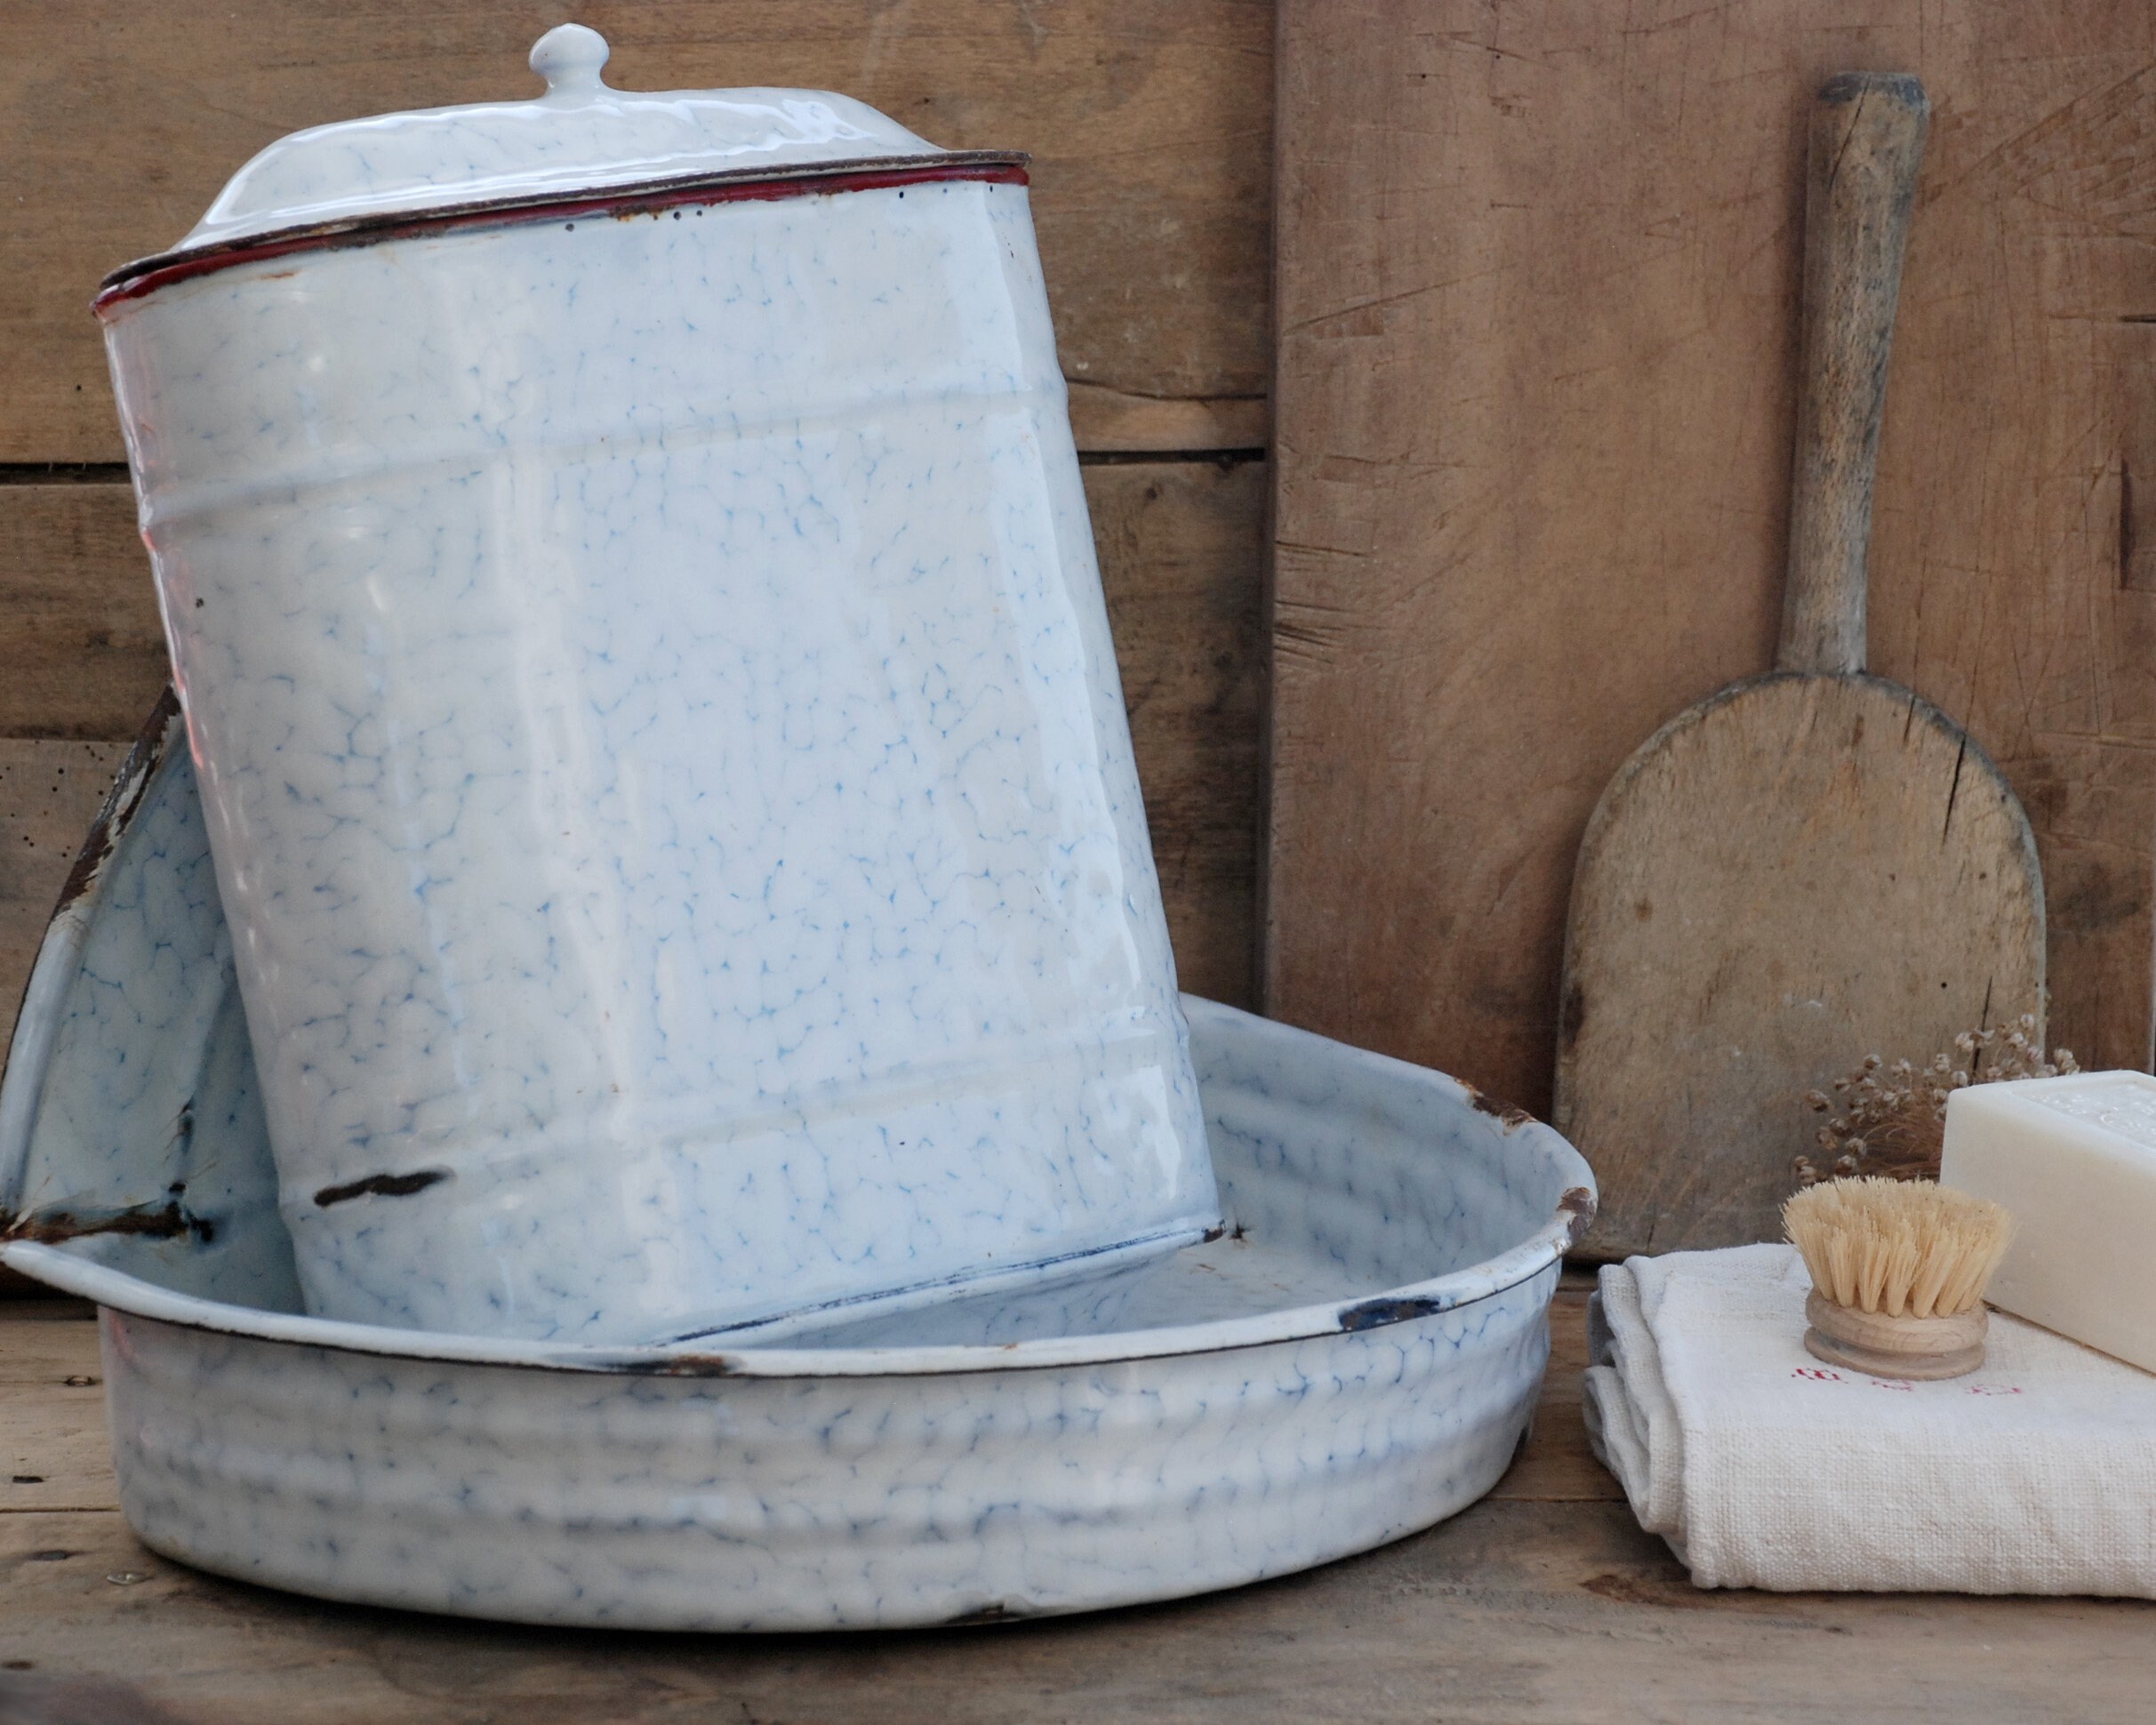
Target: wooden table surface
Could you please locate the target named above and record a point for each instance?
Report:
(1545, 1601)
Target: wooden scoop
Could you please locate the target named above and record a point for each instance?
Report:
(1811, 866)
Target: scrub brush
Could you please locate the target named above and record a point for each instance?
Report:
(1898, 1273)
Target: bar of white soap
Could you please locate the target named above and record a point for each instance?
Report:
(2074, 1160)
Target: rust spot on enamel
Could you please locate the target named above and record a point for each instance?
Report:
(697, 1365)
(383, 1186)
(128, 790)
(1578, 1203)
(168, 1221)
(1510, 1113)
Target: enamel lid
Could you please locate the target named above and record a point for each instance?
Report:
(580, 136)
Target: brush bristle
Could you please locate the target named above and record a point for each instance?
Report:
(1906, 1247)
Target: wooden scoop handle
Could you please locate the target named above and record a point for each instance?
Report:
(1867, 142)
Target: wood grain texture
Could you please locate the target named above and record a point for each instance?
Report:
(1800, 867)
(1149, 123)
(50, 791)
(79, 633)
(1806, 863)
(1537, 293)
(1523, 1610)
(1182, 546)
(1112, 420)
(53, 1452)
(1867, 142)
(1556, 1464)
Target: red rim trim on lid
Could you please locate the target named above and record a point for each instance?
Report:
(134, 281)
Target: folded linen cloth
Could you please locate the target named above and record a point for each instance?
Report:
(1764, 1468)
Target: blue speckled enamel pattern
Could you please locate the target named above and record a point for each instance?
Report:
(1355, 1358)
(665, 762)
(837, 1502)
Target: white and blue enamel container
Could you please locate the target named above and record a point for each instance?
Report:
(637, 627)
(1355, 1357)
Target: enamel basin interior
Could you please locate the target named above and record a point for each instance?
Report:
(131, 1140)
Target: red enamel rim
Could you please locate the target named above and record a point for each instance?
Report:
(134, 281)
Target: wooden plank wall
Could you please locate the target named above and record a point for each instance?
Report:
(1537, 297)
(1149, 125)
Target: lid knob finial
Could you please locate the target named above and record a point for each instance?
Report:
(569, 57)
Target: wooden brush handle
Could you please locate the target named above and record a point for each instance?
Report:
(1867, 142)
(1888, 1346)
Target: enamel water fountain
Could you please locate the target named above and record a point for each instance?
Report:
(629, 587)
(614, 1057)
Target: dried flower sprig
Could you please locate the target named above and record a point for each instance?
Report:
(1893, 1119)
